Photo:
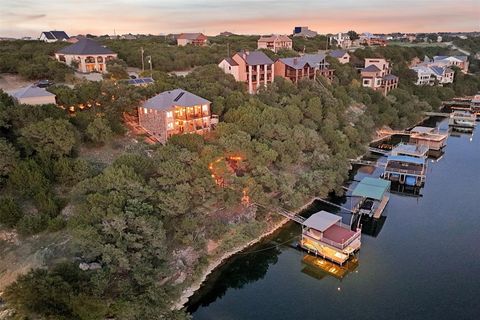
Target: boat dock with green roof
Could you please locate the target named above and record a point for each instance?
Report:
(374, 196)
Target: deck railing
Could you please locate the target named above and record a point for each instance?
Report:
(335, 244)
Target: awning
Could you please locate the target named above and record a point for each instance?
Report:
(322, 220)
(371, 188)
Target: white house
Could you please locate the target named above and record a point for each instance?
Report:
(53, 36)
(428, 75)
(88, 54)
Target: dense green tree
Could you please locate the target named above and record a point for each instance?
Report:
(98, 131)
(50, 137)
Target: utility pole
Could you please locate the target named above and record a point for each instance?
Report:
(149, 60)
(143, 63)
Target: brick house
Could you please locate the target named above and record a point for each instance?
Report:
(175, 112)
(306, 66)
(376, 75)
(194, 39)
(255, 69)
(275, 43)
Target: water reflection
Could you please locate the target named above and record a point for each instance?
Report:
(318, 268)
(244, 268)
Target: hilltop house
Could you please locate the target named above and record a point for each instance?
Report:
(53, 36)
(305, 66)
(376, 75)
(275, 43)
(429, 75)
(448, 61)
(33, 95)
(194, 39)
(175, 112)
(341, 55)
(304, 32)
(254, 68)
(343, 40)
(88, 54)
(368, 39)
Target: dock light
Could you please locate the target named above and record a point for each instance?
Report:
(339, 289)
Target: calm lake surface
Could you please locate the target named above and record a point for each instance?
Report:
(422, 261)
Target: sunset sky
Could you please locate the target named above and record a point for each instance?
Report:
(30, 17)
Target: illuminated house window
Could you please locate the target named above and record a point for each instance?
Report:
(145, 110)
(169, 114)
(205, 108)
(170, 126)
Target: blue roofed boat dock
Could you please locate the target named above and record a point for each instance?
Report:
(373, 195)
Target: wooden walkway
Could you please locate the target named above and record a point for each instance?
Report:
(379, 151)
(437, 114)
(381, 208)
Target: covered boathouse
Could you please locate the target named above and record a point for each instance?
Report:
(373, 196)
(324, 234)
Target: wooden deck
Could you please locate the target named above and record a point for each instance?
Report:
(378, 212)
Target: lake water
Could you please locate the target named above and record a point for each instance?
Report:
(421, 261)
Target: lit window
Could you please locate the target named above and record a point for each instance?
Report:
(169, 114)
(205, 108)
(145, 110)
(170, 125)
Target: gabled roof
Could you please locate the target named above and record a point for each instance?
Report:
(337, 53)
(274, 37)
(371, 68)
(55, 35)
(439, 71)
(254, 58)
(322, 220)
(451, 58)
(371, 188)
(191, 36)
(178, 97)
(308, 59)
(32, 91)
(85, 46)
(231, 62)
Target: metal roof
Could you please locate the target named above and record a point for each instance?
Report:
(274, 37)
(420, 129)
(32, 91)
(191, 36)
(410, 149)
(313, 60)
(371, 188)
(371, 68)
(322, 220)
(254, 58)
(390, 77)
(231, 62)
(406, 159)
(178, 97)
(85, 46)
(337, 53)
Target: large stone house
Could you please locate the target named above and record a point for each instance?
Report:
(194, 39)
(175, 112)
(87, 54)
(307, 66)
(449, 61)
(255, 69)
(275, 43)
(377, 75)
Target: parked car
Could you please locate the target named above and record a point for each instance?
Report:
(44, 83)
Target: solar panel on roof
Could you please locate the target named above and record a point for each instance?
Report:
(179, 96)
